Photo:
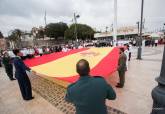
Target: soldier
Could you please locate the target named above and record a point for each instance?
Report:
(88, 94)
(22, 77)
(0, 60)
(8, 65)
(122, 68)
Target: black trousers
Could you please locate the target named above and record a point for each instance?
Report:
(9, 71)
(0, 64)
(129, 57)
(25, 87)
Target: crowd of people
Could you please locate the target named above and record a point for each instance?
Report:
(152, 42)
(31, 52)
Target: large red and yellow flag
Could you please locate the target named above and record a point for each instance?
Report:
(62, 66)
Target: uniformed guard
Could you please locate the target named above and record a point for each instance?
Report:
(22, 77)
(122, 68)
(0, 60)
(8, 65)
(88, 94)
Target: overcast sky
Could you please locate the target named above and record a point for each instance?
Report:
(25, 14)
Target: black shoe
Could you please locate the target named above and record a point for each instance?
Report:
(12, 79)
(119, 86)
(29, 99)
(118, 83)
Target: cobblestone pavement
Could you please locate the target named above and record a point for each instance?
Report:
(55, 95)
(147, 51)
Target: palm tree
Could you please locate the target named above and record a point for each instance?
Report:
(1, 35)
(15, 36)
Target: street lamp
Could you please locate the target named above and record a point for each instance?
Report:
(138, 26)
(75, 31)
(158, 93)
(106, 29)
(164, 27)
(139, 54)
(75, 20)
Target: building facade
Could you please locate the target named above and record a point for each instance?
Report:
(3, 44)
(122, 33)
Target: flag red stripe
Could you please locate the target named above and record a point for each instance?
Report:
(50, 57)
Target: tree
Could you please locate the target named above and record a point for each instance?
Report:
(1, 35)
(40, 33)
(84, 32)
(15, 36)
(55, 30)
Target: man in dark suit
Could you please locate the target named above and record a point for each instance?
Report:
(88, 94)
(22, 77)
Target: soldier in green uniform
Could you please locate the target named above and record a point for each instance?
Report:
(122, 68)
(8, 65)
(88, 94)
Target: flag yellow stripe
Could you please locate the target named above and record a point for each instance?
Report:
(66, 66)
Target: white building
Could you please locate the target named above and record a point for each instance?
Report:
(122, 33)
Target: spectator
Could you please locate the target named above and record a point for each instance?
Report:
(130, 51)
(40, 51)
(0, 60)
(134, 42)
(127, 54)
(84, 95)
(156, 43)
(153, 42)
(64, 49)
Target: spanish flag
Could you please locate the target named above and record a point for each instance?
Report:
(61, 66)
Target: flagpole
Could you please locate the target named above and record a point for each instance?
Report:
(45, 18)
(115, 24)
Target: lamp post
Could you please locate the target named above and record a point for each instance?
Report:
(158, 93)
(75, 20)
(138, 27)
(106, 29)
(139, 54)
(75, 31)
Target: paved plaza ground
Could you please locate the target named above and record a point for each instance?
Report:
(134, 98)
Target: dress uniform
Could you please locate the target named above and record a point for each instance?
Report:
(122, 68)
(8, 66)
(0, 61)
(22, 77)
(88, 95)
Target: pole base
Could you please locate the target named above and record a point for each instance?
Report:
(139, 54)
(158, 96)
